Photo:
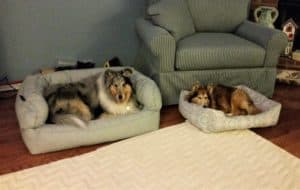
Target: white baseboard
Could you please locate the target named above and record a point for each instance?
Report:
(6, 87)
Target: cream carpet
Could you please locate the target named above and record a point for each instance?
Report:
(178, 157)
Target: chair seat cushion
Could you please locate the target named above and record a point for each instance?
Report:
(217, 51)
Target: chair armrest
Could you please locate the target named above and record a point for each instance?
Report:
(272, 40)
(147, 92)
(31, 107)
(159, 41)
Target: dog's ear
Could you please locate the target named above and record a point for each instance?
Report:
(210, 88)
(108, 76)
(192, 93)
(190, 96)
(127, 72)
(196, 87)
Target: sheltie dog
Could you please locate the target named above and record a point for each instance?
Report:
(108, 93)
(116, 92)
(232, 101)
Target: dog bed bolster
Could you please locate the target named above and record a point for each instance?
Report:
(31, 107)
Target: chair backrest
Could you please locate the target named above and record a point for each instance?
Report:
(150, 2)
(218, 15)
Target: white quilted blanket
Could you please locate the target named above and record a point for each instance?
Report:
(178, 157)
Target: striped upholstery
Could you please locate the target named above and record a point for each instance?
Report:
(237, 52)
(274, 41)
(218, 15)
(161, 44)
(174, 16)
(217, 51)
(150, 2)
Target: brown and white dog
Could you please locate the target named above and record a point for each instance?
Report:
(232, 101)
(199, 95)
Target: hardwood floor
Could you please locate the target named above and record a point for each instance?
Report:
(14, 156)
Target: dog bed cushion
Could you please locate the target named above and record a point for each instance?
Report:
(40, 137)
(211, 120)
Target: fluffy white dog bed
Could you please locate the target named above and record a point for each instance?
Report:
(211, 120)
(39, 137)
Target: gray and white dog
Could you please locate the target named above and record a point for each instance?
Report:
(116, 94)
(77, 103)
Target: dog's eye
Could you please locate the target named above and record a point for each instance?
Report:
(115, 85)
(124, 84)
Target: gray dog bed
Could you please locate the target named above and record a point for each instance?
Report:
(39, 137)
(211, 120)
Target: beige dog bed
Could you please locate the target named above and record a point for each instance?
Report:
(211, 120)
(39, 137)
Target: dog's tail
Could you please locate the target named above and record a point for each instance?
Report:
(69, 119)
(246, 104)
(252, 110)
(250, 107)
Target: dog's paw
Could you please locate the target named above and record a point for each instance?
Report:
(229, 114)
(105, 115)
(127, 72)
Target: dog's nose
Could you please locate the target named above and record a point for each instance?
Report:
(120, 97)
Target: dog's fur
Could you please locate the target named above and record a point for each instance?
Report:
(232, 101)
(77, 103)
(116, 92)
(199, 95)
(73, 103)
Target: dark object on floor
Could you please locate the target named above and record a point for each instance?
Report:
(12, 91)
(64, 68)
(79, 65)
(114, 62)
(85, 65)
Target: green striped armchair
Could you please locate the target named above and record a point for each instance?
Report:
(210, 41)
